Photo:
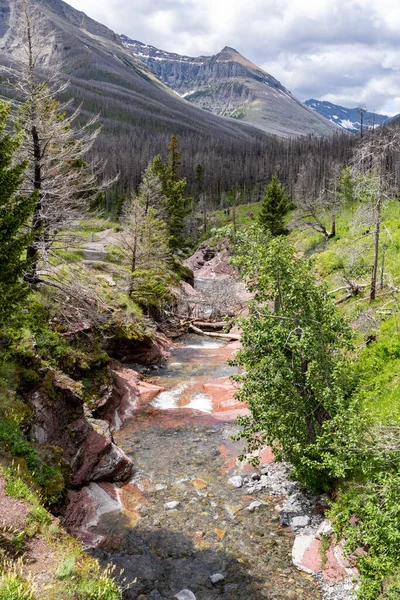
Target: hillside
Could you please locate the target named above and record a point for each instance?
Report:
(229, 84)
(138, 112)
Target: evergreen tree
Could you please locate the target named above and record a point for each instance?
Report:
(150, 190)
(144, 241)
(274, 207)
(175, 204)
(15, 210)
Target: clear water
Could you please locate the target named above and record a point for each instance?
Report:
(183, 453)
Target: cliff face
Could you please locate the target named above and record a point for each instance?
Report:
(88, 449)
(230, 85)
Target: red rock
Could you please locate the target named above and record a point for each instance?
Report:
(353, 521)
(222, 391)
(101, 459)
(148, 391)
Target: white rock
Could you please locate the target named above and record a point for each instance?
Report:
(300, 546)
(299, 522)
(171, 505)
(217, 577)
(324, 529)
(236, 481)
(185, 595)
(252, 507)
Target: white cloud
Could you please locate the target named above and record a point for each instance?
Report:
(346, 53)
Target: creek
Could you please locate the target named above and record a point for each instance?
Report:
(182, 521)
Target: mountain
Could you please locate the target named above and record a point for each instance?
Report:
(347, 118)
(138, 112)
(228, 84)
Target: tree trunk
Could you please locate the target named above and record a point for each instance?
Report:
(374, 275)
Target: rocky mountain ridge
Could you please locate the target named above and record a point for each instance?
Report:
(348, 119)
(230, 85)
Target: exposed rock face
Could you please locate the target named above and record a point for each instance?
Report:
(87, 446)
(211, 262)
(146, 351)
(228, 84)
(128, 392)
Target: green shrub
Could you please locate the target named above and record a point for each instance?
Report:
(151, 288)
(13, 444)
(368, 516)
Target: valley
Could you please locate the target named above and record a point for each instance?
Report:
(199, 300)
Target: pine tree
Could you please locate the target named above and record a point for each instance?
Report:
(274, 207)
(15, 210)
(175, 204)
(150, 190)
(144, 240)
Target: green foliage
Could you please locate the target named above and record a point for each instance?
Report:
(14, 444)
(378, 370)
(297, 381)
(368, 516)
(12, 584)
(151, 288)
(346, 186)
(175, 204)
(328, 261)
(14, 212)
(274, 208)
(87, 580)
(67, 567)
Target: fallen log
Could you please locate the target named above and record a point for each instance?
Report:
(225, 336)
(210, 325)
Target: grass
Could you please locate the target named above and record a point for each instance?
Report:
(71, 574)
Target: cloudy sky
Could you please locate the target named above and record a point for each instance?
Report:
(344, 52)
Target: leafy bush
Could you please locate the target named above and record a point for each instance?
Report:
(151, 288)
(368, 516)
(13, 444)
(298, 381)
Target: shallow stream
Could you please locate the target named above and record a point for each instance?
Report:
(183, 453)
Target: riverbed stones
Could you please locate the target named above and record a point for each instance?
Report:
(236, 481)
(216, 578)
(185, 595)
(325, 529)
(300, 522)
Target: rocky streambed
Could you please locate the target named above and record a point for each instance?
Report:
(194, 521)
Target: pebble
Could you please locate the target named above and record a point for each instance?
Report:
(216, 578)
(185, 595)
(171, 505)
(324, 529)
(236, 481)
(252, 507)
(300, 522)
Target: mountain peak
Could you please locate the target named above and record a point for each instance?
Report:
(229, 49)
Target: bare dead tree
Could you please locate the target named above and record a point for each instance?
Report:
(372, 161)
(54, 147)
(313, 210)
